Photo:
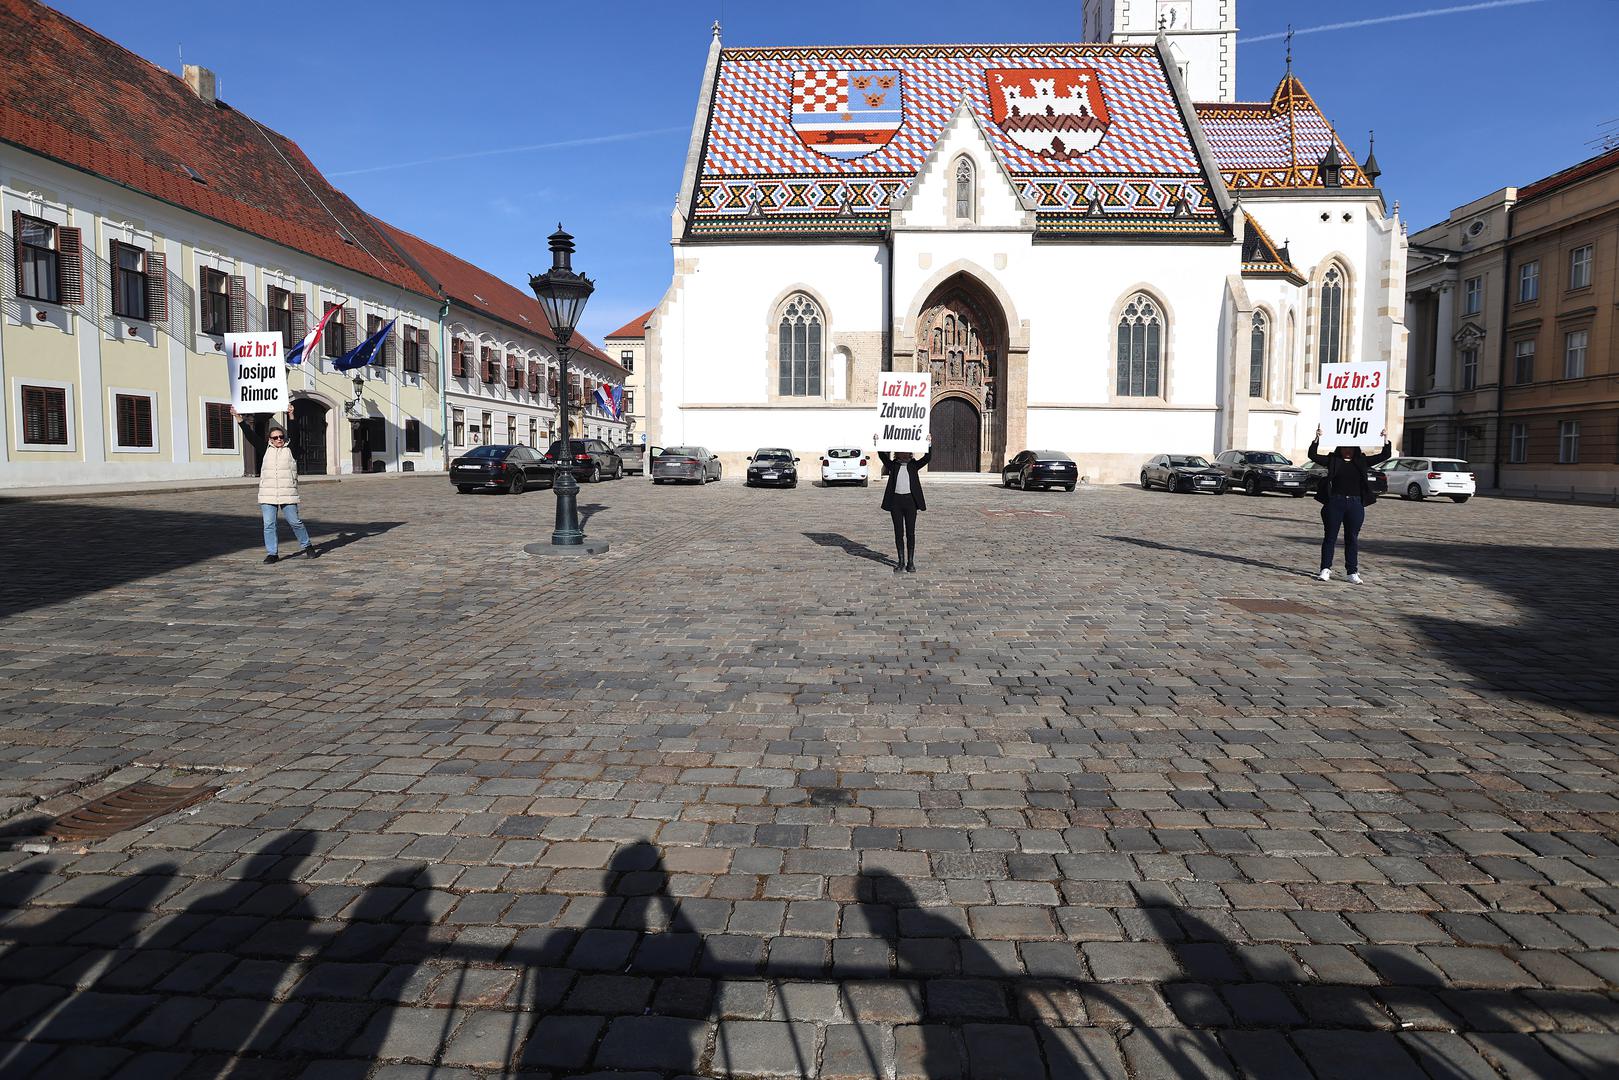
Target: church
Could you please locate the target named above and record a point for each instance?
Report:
(1092, 247)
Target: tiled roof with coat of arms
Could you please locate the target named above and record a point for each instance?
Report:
(1276, 144)
(826, 140)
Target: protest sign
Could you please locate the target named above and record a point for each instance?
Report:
(1354, 404)
(903, 403)
(258, 372)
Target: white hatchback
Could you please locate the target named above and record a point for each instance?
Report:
(845, 465)
(1417, 478)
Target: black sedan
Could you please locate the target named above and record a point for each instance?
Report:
(592, 460)
(511, 469)
(1255, 472)
(1317, 473)
(1040, 469)
(772, 466)
(1182, 472)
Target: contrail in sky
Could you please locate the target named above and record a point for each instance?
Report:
(1458, 9)
(623, 136)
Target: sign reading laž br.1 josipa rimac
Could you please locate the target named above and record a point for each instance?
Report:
(1354, 404)
(258, 372)
(903, 403)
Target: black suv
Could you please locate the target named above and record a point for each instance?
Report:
(1255, 472)
(592, 460)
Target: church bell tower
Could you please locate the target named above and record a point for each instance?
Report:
(1202, 37)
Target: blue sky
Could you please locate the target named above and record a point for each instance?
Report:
(529, 113)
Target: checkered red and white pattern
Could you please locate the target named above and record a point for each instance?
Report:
(820, 91)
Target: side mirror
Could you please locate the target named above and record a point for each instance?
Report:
(795, 461)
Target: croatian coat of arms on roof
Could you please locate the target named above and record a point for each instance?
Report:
(847, 114)
(1056, 113)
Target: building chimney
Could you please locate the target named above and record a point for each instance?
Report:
(201, 81)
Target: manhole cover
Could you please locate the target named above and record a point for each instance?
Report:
(1269, 607)
(125, 809)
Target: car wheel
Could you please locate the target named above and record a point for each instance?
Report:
(1219, 489)
(1068, 487)
(465, 489)
(656, 480)
(517, 486)
(1415, 493)
(866, 482)
(1297, 494)
(1144, 485)
(1460, 498)
(595, 474)
(1251, 487)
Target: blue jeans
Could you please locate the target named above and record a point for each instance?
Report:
(1348, 512)
(290, 512)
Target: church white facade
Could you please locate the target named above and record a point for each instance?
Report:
(1086, 258)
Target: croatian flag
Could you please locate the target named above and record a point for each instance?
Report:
(301, 350)
(610, 399)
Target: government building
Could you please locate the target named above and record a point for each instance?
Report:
(1092, 247)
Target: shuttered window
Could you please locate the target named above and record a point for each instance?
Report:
(414, 340)
(129, 281)
(413, 436)
(134, 420)
(38, 264)
(336, 335)
(376, 431)
(278, 306)
(221, 428)
(44, 416)
(215, 306)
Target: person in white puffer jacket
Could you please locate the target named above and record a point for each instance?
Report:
(278, 491)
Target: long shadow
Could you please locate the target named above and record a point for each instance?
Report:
(283, 968)
(1223, 556)
(587, 511)
(852, 547)
(51, 552)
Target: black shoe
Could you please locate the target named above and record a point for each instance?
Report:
(899, 567)
(311, 552)
(910, 567)
(268, 559)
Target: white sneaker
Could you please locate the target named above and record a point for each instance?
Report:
(1355, 579)
(1324, 575)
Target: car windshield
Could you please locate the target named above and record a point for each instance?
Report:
(681, 451)
(1190, 461)
(1451, 466)
(629, 448)
(843, 453)
(773, 455)
(1266, 458)
(1051, 455)
(488, 452)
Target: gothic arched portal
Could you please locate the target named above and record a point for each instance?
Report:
(961, 338)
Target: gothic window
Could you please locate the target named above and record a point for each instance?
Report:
(799, 365)
(1259, 343)
(1330, 350)
(964, 189)
(1141, 335)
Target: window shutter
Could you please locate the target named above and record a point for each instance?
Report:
(388, 350)
(16, 253)
(70, 264)
(238, 303)
(157, 287)
(300, 317)
(377, 435)
(351, 322)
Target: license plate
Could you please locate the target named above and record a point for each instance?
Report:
(1205, 483)
(1290, 483)
(767, 476)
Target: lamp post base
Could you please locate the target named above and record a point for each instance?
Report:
(589, 547)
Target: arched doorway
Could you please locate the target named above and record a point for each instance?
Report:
(309, 436)
(961, 338)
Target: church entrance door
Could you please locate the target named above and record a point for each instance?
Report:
(955, 429)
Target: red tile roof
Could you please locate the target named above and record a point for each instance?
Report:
(70, 94)
(635, 328)
(481, 291)
(1275, 144)
(1572, 175)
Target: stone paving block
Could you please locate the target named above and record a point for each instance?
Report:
(652, 1042)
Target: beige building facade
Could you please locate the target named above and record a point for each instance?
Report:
(627, 345)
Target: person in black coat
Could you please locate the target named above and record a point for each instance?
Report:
(902, 498)
(1344, 495)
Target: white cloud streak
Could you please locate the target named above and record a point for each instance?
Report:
(1402, 17)
(592, 140)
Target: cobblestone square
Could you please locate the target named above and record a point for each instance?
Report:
(736, 800)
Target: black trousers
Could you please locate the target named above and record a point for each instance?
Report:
(1348, 512)
(903, 509)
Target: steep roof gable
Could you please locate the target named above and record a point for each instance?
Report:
(1276, 144)
(635, 328)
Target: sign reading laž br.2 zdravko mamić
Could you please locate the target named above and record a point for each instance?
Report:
(903, 403)
(258, 372)
(1354, 404)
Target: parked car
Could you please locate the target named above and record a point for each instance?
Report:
(693, 463)
(592, 459)
(1255, 472)
(505, 468)
(845, 465)
(772, 466)
(1040, 469)
(634, 456)
(1417, 478)
(1183, 472)
(1315, 474)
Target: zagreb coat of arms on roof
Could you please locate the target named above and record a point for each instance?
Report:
(847, 114)
(1054, 113)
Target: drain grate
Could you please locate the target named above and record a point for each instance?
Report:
(124, 809)
(1269, 607)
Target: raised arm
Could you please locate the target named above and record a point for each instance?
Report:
(1315, 450)
(922, 462)
(1388, 452)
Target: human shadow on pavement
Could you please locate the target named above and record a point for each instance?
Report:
(1223, 556)
(853, 547)
(587, 511)
(286, 968)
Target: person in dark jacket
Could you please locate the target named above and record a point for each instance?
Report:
(1344, 495)
(903, 499)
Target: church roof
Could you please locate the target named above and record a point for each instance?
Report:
(826, 140)
(1276, 144)
(1262, 258)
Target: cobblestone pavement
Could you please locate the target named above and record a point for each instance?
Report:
(735, 800)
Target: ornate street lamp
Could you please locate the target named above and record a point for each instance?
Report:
(563, 294)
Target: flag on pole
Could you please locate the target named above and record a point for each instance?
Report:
(299, 351)
(366, 352)
(609, 399)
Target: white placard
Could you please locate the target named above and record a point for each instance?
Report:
(1354, 404)
(258, 372)
(904, 401)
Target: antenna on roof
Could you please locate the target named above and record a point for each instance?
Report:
(1607, 136)
(1290, 48)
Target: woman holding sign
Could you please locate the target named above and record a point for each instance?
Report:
(278, 492)
(1344, 495)
(903, 499)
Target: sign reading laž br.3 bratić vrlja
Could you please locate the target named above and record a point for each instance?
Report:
(903, 403)
(1354, 404)
(258, 372)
